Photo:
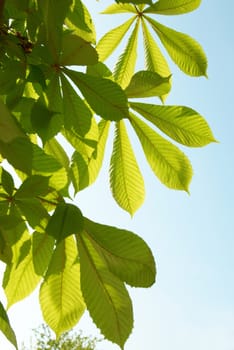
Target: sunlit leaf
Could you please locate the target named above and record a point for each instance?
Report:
(22, 277)
(186, 52)
(125, 66)
(105, 295)
(126, 181)
(182, 124)
(5, 327)
(61, 301)
(173, 7)
(147, 84)
(80, 22)
(100, 70)
(126, 254)
(168, 163)
(135, 1)
(109, 42)
(154, 60)
(54, 148)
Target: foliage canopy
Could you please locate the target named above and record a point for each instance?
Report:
(53, 81)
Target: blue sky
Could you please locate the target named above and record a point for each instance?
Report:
(191, 306)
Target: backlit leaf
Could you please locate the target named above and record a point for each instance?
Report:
(60, 295)
(126, 181)
(147, 84)
(109, 42)
(173, 7)
(105, 295)
(186, 52)
(168, 163)
(5, 327)
(154, 60)
(54, 148)
(182, 124)
(125, 66)
(22, 278)
(126, 254)
(80, 22)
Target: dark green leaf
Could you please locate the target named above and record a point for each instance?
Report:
(77, 115)
(54, 13)
(66, 220)
(7, 182)
(104, 96)
(45, 122)
(85, 165)
(33, 186)
(76, 51)
(80, 22)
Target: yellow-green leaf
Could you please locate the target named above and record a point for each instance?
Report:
(5, 327)
(182, 124)
(126, 181)
(168, 163)
(80, 22)
(127, 255)
(125, 66)
(186, 52)
(105, 295)
(173, 7)
(147, 84)
(108, 43)
(60, 295)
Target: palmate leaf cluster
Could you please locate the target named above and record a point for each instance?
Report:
(53, 82)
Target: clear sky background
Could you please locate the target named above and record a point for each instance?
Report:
(191, 306)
